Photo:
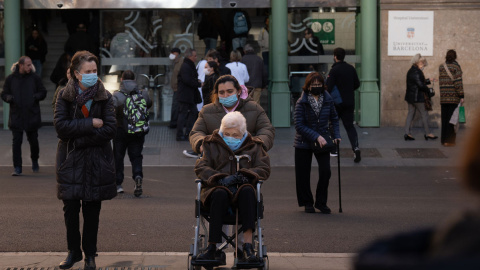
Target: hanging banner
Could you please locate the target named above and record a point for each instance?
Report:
(410, 32)
(324, 30)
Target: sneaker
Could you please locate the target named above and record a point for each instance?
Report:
(221, 257)
(357, 157)
(138, 186)
(119, 189)
(334, 153)
(17, 171)
(35, 166)
(190, 153)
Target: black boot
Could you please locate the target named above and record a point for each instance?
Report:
(249, 253)
(90, 263)
(208, 254)
(72, 258)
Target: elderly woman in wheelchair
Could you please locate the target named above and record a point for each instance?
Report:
(232, 164)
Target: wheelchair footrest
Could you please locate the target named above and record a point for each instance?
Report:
(249, 265)
(211, 263)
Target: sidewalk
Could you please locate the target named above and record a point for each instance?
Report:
(382, 146)
(173, 260)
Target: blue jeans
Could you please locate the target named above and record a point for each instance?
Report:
(239, 42)
(38, 67)
(210, 43)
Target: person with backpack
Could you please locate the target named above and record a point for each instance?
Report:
(131, 110)
(240, 27)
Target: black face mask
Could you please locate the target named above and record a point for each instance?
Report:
(316, 90)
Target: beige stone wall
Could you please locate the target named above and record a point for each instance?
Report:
(457, 29)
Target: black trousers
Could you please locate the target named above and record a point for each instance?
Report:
(32, 137)
(174, 111)
(91, 216)
(448, 134)
(346, 113)
(187, 115)
(303, 165)
(219, 204)
(134, 144)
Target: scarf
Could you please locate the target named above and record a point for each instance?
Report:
(86, 95)
(316, 105)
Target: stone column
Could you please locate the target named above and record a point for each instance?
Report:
(13, 43)
(369, 91)
(280, 97)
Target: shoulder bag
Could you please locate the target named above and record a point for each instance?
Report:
(326, 148)
(335, 94)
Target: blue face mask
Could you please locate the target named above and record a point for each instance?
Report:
(228, 101)
(233, 143)
(88, 80)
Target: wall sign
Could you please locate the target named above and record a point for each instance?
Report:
(410, 32)
(324, 29)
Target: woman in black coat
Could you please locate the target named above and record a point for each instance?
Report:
(415, 97)
(313, 112)
(212, 73)
(85, 123)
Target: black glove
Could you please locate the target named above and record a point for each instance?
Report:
(228, 180)
(242, 179)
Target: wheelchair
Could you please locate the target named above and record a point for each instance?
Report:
(200, 242)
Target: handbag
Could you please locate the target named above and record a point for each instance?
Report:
(327, 147)
(461, 115)
(428, 102)
(337, 98)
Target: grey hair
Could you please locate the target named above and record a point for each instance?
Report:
(417, 58)
(249, 48)
(189, 52)
(234, 120)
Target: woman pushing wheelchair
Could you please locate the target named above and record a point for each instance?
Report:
(225, 186)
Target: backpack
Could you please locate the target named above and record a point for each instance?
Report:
(240, 25)
(136, 113)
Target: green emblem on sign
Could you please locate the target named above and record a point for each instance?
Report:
(324, 30)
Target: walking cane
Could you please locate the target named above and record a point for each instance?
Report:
(236, 210)
(339, 182)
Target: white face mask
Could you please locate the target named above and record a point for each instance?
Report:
(206, 71)
(172, 56)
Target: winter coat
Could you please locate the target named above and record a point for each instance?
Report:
(451, 91)
(187, 82)
(309, 126)
(453, 245)
(126, 87)
(239, 71)
(416, 86)
(256, 70)
(24, 92)
(218, 161)
(207, 87)
(41, 46)
(85, 164)
(207, 28)
(177, 64)
(210, 118)
(80, 41)
(345, 77)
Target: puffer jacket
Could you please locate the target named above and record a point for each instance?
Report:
(119, 97)
(24, 93)
(85, 165)
(210, 118)
(218, 161)
(309, 126)
(416, 86)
